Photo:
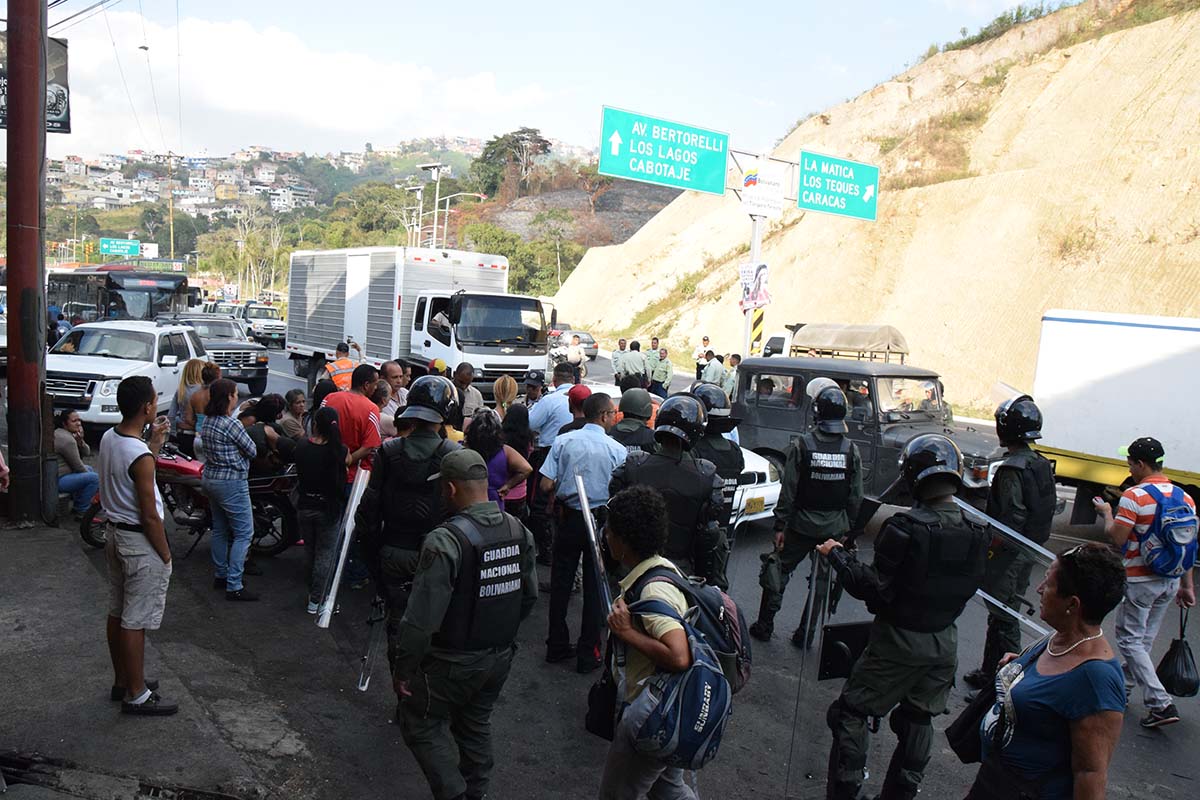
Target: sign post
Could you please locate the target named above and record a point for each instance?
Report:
(639, 147)
(838, 186)
(120, 247)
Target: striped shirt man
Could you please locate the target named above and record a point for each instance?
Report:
(1136, 513)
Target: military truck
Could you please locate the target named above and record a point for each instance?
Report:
(888, 403)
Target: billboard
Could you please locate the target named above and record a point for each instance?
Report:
(58, 90)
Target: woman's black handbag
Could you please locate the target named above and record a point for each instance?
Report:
(1177, 670)
(602, 707)
(997, 782)
(963, 733)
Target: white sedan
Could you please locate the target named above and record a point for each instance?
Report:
(757, 493)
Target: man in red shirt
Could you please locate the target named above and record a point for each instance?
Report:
(358, 418)
(1148, 595)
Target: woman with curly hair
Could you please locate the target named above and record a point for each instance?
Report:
(506, 467)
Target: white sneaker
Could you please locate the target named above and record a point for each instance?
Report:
(313, 608)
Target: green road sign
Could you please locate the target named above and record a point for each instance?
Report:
(651, 150)
(837, 186)
(120, 247)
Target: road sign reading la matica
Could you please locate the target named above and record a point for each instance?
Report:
(120, 247)
(838, 186)
(643, 148)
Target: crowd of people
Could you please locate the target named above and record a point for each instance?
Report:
(465, 500)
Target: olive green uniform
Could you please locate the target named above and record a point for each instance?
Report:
(446, 722)
(1009, 566)
(804, 529)
(664, 373)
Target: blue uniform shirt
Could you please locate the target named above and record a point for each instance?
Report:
(593, 454)
(549, 414)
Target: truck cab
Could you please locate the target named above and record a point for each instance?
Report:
(498, 334)
(265, 323)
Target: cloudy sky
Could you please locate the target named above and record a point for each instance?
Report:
(320, 76)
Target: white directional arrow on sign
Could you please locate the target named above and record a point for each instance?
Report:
(615, 141)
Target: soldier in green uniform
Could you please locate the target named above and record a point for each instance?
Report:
(663, 374)
(633, 366)
(617, 356)
(475, 582)
(725, 454)
(819, 496)
(652, 357)
(399, 506)
(929, 561)
(1023, 497)
(633, 430)
(729, 385)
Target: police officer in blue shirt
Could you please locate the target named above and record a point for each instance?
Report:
(546, 416)
(591, 453)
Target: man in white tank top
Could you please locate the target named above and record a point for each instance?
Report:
(138, 556)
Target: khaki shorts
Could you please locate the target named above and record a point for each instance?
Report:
(137, 578)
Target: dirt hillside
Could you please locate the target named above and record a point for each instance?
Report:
(1049, 168)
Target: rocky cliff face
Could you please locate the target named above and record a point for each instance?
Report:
(1022, 174)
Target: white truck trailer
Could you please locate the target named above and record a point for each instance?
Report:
(413, 304)
(1102, 381)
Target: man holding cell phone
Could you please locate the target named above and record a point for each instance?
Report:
(137, 553)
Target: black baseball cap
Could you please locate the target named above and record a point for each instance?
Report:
(1146, 449)
(535, 377)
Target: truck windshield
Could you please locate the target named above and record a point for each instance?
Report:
(501, 320)
(262, 312)
(215, 329)
(906, 395)
(107, 343)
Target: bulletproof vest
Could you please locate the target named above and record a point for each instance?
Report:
(635, 440)
(943, 567)
(1038, 494)
(412, 505)
(823, 483)
(729, 461)
(686, 486)
(485, 609)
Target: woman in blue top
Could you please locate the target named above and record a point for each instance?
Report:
(1060, 704)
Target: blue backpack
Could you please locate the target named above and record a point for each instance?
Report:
(688, 710)
(1169, 544)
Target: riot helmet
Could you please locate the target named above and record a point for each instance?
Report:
(829, 407)
(431, 398)
(636, 404)
(682, 417)
(928, 456)
(716, 404)
(1018, 419)
(816, 385)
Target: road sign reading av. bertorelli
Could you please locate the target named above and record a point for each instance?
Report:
(837, 186)
(641, 148)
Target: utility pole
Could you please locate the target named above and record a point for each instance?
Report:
(26, 253)
(171, 199)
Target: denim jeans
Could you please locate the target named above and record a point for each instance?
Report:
(233, 525)
(82, 486)
(1138, 619)
(629, 775)
(319, 528)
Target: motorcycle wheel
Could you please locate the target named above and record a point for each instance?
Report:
(92, 527)
(274, 527)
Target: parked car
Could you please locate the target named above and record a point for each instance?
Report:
(888, 404)
(240, 358)
(84, 368)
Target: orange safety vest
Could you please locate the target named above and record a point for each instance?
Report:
(340, 372)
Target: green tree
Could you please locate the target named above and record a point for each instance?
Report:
(553, 226)
(520, 148)
(595, 184)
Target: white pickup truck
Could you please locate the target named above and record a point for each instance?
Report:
(84, 368)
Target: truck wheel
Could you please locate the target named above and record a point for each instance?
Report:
(258, 387)
(300, 367)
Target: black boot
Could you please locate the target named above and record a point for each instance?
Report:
(986, 674)
(844, 791)
(764, 627)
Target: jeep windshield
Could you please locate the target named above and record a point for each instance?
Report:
(215, 329)
(904, 397)
(501, 320)
(262, 312)
(129, 345)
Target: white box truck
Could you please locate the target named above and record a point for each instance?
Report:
(1102, 381)
(413, 304)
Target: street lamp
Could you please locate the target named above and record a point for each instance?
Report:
(435, 172)
(446, 223)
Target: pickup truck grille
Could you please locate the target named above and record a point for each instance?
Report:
(70, 391)
(233, 358)
(494, 373)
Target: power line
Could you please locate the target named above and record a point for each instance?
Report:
(121, 71)
(64, 20)
(145, 48)
(95, 11)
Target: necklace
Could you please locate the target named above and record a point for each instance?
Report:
(1072, 647)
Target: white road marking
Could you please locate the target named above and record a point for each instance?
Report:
(285, 375)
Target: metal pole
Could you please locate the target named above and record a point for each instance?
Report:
(755, 255)
(26, 252)
(437, 196)
(446, 224)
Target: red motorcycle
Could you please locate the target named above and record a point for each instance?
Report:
(178, 477)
